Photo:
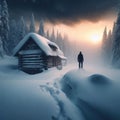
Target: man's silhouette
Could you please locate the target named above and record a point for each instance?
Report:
(80, 59)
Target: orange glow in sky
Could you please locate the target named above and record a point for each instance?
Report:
(87, 31)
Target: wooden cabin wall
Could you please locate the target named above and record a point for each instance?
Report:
(38, 61)
(53, 61)
(32, 62)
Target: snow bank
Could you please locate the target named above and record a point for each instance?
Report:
(24, 100)
(95, 95)
(33, 97)
(84, 95)
(99, 79)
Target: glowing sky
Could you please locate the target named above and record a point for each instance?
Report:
(86, 31)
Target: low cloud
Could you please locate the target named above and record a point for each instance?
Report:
(67, 11)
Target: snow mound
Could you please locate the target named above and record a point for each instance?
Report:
(95, 95)
(99, 79)
(71, 81)
(76, 79)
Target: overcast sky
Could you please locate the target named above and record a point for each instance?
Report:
(68, 11)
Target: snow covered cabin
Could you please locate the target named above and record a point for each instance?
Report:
(36, 53)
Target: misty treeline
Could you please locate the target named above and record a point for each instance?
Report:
(12, 31)
(111, 44)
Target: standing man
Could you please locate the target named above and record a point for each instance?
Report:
(80, 59)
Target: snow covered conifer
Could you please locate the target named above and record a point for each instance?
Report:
(4, 25)
(104, 42)
(116, 43)
(21, 32)
(104, 39)
(1, 48)
(47, 35)
(108, 49)
(12, 35)
(26, 28)
(0, 19)
(0, 16)
(107, 45)
(59, 40)
(41, 28)
(32, 23)
(23, 26)
(110, 40)
(53, 38)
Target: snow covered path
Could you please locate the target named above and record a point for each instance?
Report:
(33, 97)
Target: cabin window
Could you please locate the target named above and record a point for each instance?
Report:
(54, 48)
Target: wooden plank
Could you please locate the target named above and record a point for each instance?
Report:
(29, 56)
(26, 66)
(32, 57)
(31, 61)
(32, 64)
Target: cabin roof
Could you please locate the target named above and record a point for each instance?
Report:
(42, 42)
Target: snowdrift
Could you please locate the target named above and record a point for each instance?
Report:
(99, 79)
(36, 97)
(79, 95)
(95, 95)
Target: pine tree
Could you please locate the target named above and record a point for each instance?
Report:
(32, 24)
(0, 17)
(104, 39)
(4, 30)
(67, 47)
(12, 35)
(1, 48)
(21, 31)
(110, 40)
(47, 35)
(59, 40)
(116, 43)
(108, 49)
(104, 42)
(41, 28)
(26, 29)
(107, 45)
(53, 38)
(23, 27)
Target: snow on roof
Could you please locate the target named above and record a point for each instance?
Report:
(42, 42)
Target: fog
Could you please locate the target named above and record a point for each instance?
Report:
(81, 38)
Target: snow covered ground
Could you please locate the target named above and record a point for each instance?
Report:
(68, 94)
